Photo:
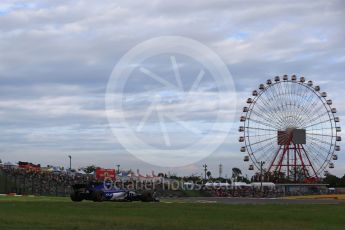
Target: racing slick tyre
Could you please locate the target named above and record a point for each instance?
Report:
(76, 197)
(147, 197)
(98, 196)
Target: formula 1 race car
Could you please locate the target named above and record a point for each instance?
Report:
(99, 192)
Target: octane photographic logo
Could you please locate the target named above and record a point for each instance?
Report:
(170, 101)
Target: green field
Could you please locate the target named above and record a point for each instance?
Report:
(60, 213)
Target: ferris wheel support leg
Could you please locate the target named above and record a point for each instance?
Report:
(305, 171)
(311, 165)
(295, 163)
(288, 162)
(274, 159)
(280, 160)
(280, 163)
(287, 146)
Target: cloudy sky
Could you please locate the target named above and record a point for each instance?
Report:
(57, 56)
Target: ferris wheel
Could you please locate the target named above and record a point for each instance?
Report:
(290, 127)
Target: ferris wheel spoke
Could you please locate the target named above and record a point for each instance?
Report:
(322, 135)
(265, 107)
(274, 130)
(323, 129)
(320, 148)
(318, 157)
(318, 115)
(314, 154)
(260, 149)
(262, 135)
(290, 98)
(263, 123)
(301, 104)
(298, 113)
(282, 115)
(293, 99)
(318, 123)
(262, 141)
(304, 103)
(318, 140)
(269, 99)
(280, 97)
(266, 122)
(302, 94)
(264, 151)
(275, 93)
(303, 117)
(313, 103)
(274, 116)
(270, 117)
(269, 154)
(314, 163)
(325, 135)
(308, 110)
(278, 102)
(275, 156)
(272, 98)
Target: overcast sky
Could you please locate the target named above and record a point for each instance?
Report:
(56, 58)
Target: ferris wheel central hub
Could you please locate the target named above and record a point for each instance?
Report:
(292, 136)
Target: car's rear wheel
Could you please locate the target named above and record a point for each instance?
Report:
(147, 197)
(76, 197)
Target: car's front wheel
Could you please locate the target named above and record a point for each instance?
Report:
(99, 196)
